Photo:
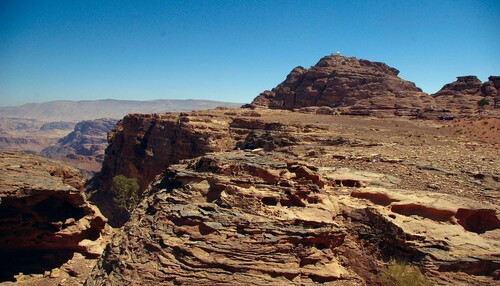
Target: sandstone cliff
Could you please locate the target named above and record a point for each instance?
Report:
(355, 86)
(142, 146)
(46, 224)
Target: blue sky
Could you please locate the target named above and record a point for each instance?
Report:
(230, 50)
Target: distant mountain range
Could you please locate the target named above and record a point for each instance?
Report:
(75, 131)
(75, 111)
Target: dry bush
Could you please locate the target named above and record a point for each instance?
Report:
(400, 273)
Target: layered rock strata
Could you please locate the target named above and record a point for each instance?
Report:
(491, 87)
(45, 220)
(330, 197)
(142, 146)
(267, 218)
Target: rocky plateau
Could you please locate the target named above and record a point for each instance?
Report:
(323, 180)
(276, 197)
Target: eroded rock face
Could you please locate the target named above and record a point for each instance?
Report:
(330, 197)
(142, 146)
(356, 86)
(268, 218)
(461, 96)
(44, 216)
(236, 220)
(491, 87)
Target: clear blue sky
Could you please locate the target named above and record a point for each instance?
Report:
(230, 50)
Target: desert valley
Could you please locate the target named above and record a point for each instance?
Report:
(336, 176)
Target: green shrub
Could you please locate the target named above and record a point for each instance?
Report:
(125, 193)
(481, 104)
(400, 273)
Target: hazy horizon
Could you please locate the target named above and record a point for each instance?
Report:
(230, 51)
(113, 99)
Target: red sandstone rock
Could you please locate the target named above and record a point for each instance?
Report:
(359, 86)
(44, 216)
(461, 96)
(491, 87)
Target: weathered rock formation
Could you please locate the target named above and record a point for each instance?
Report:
(84, 147)
(142, 146)
(273, 197)
(491, 87)
(267, 218)
(355, 86)
(45, 220)
(461, 96)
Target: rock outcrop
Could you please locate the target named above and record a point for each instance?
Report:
(45, 220)
(491, 87)
(461, 96)
(142, 146)
(84, 147)
(267, 218)
(355, 86)
(274, 197)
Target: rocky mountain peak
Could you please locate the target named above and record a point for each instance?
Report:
(468, 78)
(356, 86)
(469, 84)
(340, 62)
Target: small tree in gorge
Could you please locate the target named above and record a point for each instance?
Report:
(125, 193)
